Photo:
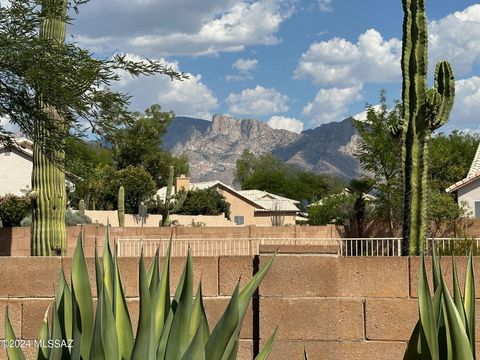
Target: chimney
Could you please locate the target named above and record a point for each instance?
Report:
(182, 182)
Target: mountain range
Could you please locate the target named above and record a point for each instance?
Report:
(213, 147)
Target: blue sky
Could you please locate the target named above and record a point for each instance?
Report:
(294, 64)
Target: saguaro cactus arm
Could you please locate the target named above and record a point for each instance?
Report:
(121, 207)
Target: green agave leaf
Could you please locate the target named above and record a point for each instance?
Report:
(63, 306)
(179, 338)
(123, 323)
(247, 292)
(305, 357)
(98, 271)
(470, 301)
(267, 348)
(427, 318)
(141, 346)
(244, 300)
(232, 355)
(457, 294)
(199, 318)
(96, 350)
(222, 333)
(435, 268)
(43, 352)
(460, 345)
(196, 350)
(57, 352)
(83, 321)
(161, 309)
(108, 266)
(163, 301)
(13, 353)
(153, 274)
(108, 330)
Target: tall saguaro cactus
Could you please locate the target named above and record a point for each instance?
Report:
(48, 180)
(121, 206)
(170, 204)
(424, 110)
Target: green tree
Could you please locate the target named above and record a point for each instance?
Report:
(450, 158)
(138, 184)
(205, 202)
(333, 209)
(359, 188)
(379, 152)
(87, 163)
(270, 174)
(49, 88)
(139, 144)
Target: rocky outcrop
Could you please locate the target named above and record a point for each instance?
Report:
(214, 147)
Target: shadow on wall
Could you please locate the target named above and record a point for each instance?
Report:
(6, 236)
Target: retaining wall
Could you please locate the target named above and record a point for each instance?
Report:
(338, 308)
(16, 241)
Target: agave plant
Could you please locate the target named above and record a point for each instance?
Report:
(446, 326)
(167, 328)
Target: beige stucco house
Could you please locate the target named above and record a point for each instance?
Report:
(16, 167)
(247, 207)
(16, 164)
(468, 189)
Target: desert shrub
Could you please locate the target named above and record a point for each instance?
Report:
(13, 209)
(74, 218)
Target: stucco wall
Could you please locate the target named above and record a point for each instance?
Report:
(338, 308)
(469, 194)
(15, 172)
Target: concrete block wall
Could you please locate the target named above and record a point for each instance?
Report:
(338, 308)
(16, 241)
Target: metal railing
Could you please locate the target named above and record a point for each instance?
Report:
(209, 247)
(251, 246)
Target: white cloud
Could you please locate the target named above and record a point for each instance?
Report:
(286, 123)
(331, 104)
(363, 115)
(244, 68)
(339, 62)
(466, 109)
(188, 28)
(245, 65)
(257, 102)
(325, 5)
(456, 38)
(189, 97)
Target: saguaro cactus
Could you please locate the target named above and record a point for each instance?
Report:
(121, 207)
(48, 194)
(170, 204)
(424, 110)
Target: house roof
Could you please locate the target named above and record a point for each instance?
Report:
(22, 145)
(473, 173)
(263, 200)
(271, 202)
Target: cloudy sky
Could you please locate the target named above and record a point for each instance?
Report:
(295, 64)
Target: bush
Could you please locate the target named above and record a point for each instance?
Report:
(72, 218)
(13, 209)
(205, 202)
(334, 209)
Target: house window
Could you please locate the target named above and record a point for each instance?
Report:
(239, 220)
(477, 209)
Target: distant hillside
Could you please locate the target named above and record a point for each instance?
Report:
(213, 147)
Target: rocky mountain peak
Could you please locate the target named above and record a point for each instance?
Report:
(213, 147)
